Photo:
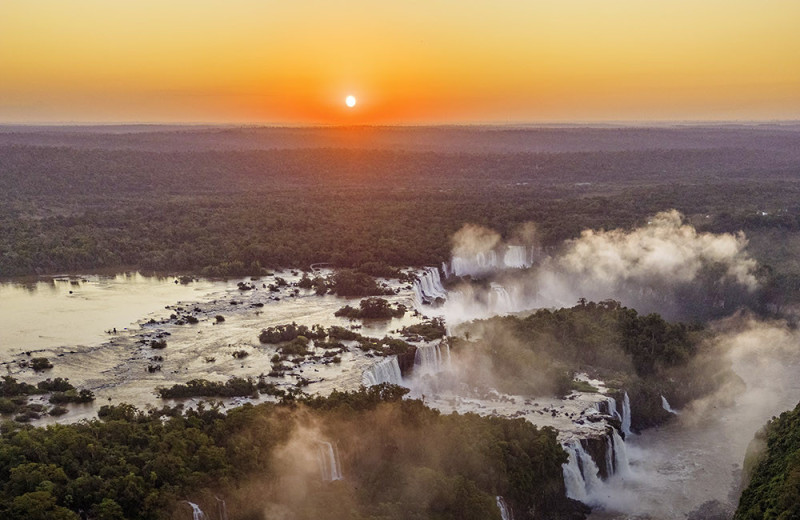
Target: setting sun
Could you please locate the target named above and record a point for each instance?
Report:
(350, 101)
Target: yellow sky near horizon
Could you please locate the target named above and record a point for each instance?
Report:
(411, 62)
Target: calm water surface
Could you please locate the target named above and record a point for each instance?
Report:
(68, 311)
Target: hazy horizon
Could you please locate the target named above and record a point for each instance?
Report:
(439, 63)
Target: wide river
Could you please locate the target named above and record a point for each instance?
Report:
(78, 310)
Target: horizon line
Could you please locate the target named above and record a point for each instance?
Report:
(486, 124)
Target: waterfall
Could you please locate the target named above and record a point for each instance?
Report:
(428, 286)
(197, 513)
(327, 457)
(222, 509)
(480, 263)
(665, 405)
(573, 479)
(581, 474)
(487, 260)
(609, 456)
(432, 358)
(385, 371)
(626, 415)
(445, 270)
(505, 512)
(621, 464)
(502, 300)
(612, 408)
(516, 257)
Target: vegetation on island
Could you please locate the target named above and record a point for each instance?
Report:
(398, 458)
(428, 330)
(14, 397)
(540, 353)
(372, 309)
(233, 387)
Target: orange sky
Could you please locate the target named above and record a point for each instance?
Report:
(407, 62)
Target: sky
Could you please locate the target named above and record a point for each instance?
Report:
(407, 62)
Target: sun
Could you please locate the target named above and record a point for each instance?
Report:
(350, 101)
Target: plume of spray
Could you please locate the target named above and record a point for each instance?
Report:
(665, 266)
(694, 463)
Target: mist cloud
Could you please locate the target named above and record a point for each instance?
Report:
(665, 266)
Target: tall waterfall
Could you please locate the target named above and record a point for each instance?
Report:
(385, 371)
(621, 463)
(197, 513)
(581, 474)
(480, 263)
(516, 257)
(328, 459)
(505, 512)
(432, 358)
(222, 509)
(609, 456)
(428, 286)
(512, 257)
(501, 302)
(665, 405)
(626, 415)
(612, 408)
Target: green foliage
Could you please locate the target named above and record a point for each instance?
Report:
(72, 396)
(341, 333)
(429, 330)
(774, 488)
(10, 387)
(289, 332)
(350, 283)
(400, 460)
(55, 385)
(372, 308)
(15, 396)
(233, 387)
(297, 347)
(40, 363)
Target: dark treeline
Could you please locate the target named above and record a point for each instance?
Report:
(240, 212)
(398, 458)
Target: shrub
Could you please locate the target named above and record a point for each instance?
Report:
(41, 363)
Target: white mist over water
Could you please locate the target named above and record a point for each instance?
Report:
(648, 268)
(670, 471)
(697, 456)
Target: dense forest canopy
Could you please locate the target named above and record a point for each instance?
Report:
(398, 458)
(237, 201)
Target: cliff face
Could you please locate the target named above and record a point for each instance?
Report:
(406, 360)
(774, 487)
